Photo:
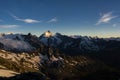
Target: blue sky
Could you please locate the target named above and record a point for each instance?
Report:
(71, 17)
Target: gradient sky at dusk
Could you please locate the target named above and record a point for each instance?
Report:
(71, 17)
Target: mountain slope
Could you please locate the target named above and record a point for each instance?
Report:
(19, 62)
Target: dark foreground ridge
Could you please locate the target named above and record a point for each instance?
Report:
(38, 76)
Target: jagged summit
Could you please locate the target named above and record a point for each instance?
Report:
(49, 38)
(48, 34)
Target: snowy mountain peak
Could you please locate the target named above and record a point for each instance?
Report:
(48, 34)
(49, 37)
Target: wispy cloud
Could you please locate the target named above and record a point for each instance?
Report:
(53, 20)
(106, 18)
(25, 20)
(9, 26)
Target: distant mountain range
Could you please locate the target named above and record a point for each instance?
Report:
(78, 44)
